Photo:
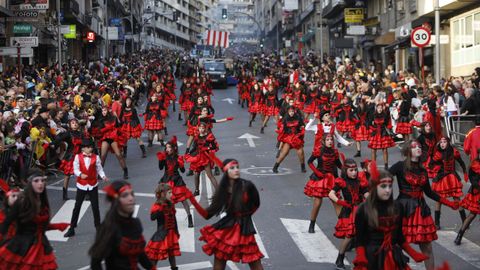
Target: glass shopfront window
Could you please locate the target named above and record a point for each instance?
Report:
(465, 37)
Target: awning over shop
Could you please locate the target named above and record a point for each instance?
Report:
(385, 39)
(399, 43)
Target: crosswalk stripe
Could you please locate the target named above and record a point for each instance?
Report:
(261, 246)
(468, 250)
(65, 215)
(187, 235)
(135, 211)
(232, 265)
(190, 266)
(138, 194)
(315, 247)
(210, 191)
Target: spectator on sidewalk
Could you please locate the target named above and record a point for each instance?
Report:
(471, 104)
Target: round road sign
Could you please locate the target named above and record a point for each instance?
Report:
(420, 37)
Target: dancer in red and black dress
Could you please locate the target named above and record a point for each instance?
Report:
(447, 183)
(112, 138)
(412, 178)
(164, 242)
(427, 140)
(361, 131)
(378, 220)
(11, 196)
(292, 131)
(404, 127)
(201, 155)
(172, 163)
(244, 91)
(353, 193)
(185, 101)
(131, 126)
(154, 119)
(471, 201)
(192, 121)
(345, 118)
(29, 248)
(380, 137)
(255, 103)
(311, 95)
(322, 179)
(232, 238)
(270, 106)
(119, 240)
(73, 137)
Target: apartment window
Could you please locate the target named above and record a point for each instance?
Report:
(465, 36)
(476, 28)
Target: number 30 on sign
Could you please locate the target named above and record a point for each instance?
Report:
(420, 37)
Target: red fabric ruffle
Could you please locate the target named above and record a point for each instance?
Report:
(270, 110)
(66, 166)
(294, 140)
(310, 108)
(345, 227)
(179, 193)
(132, 132)
(361, 134)
(254, 107)
(345, 126)
(471, 202)
(448, 187)
(229, 244)
(319, 188)
(158, 251)
(403, 128)
(186, 106)
(35, 259)
(379, 142)
(198, 162)
(154, 124)
(418, 229)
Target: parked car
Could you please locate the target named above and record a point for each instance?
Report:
(217, 72)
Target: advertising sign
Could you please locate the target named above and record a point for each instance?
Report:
(28, 4)
(72, 31)
(24, 41)
(22, 28)
(354, 15)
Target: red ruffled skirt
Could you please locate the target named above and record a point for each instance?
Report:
(418, 229)
(35, 259)
(229, 244)
(198, 162)
(345, 126)
(345, 227)
(299, 105)
(270, 110)
(191, 130)
(186, 106)
(380, 142)
(66, 166)
(254, 107)
(403, 128)
(154, 124)
(245, 95)
(319, 188)
(449, 186)
(158, 251)
(132, 132)
(294, 140)
(471, 202)
(179, 193)
(432, 171)
(361, 134)
(310, 108)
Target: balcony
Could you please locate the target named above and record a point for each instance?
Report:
(333, 8)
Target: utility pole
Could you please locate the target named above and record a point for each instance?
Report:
(108, 24)
(132, 41)
(437, 44)
(321, 31)
(59, 34)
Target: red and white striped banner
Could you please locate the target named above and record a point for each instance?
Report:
(217, 38)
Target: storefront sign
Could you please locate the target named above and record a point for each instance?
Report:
(22, 28)
(356, 30)
(28, 4)
(24, 41)
(71, 32)
(353, 15)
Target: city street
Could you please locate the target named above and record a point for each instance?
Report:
(281, 221)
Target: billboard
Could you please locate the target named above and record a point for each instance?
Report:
(291, 5)
(28, 4)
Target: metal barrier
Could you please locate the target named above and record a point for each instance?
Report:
(458, 126)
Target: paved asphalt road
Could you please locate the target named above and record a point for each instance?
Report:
(281, 221)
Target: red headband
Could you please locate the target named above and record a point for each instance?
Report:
(10, 192)
(228, 165)
(111, 192)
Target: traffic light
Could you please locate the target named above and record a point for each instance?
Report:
(224, 13)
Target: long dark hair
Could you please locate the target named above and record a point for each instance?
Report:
(101, 248)
(447, 153)
(372, 202)
(407, 153)
(30, 205)
(348, 162)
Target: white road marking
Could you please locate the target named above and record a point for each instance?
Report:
(468, 250)
(187, 235)
(261, 246)
(135, 211)
(315, 247)
(249, 137)
(229, 100)
(232, 265)
(139, 194)
(57, 182)
(210, 191)
(189, 266)
(65, 215)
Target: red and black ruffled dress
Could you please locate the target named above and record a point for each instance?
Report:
(127, 247)
(418, 225)
(352, 192)
(270, 106)
(131, 126)
(310, 101)
(345, 119)
(299, 97)
(255, 104)
(292, 131)
(471, 201)
(74, 141)
(112, 132)
(383, 245)
(232, 238)
(164, 242)
(322, 180)
(200, 152)
(428, 142)
(244, 90)
(361, 131)
(193, 120)
(185, 103)
(172, 164)
(153, 116)
(28, 248)
(404, 126)
(447, 183)
(379, 136)
(11, 229)
(323, 103)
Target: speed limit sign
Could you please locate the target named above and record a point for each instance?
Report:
(420, 37)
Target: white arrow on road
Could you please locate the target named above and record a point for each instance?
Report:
(229, 100)
(249, 138)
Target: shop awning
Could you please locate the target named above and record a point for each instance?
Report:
(385, 39)
(399, 43)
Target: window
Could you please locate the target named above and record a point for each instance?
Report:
(456, 32)
(468, 32)
(476, 28)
